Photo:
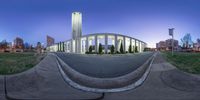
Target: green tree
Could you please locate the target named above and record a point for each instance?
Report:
(100, 48)
(136, 49)
(121, 48)
(90, 49)
(130, 49)
(133, 49)
(112, 49)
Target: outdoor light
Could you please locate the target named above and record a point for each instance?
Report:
(171, 33)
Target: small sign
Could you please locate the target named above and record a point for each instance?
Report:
(171, 31)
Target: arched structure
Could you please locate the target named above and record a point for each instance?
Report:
(81, 44)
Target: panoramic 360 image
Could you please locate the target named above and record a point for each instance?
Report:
(99, 49)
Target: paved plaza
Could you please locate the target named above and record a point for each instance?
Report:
(45, 82)
(105, 66)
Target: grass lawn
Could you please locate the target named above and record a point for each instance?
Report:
(11, 63)
(188, 62)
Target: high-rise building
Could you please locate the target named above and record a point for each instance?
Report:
(18, 43)
(50, 41)
(76, 31)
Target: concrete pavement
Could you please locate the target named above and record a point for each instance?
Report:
(155, 89)
(45, 82)
(2, 94)
(105, 66)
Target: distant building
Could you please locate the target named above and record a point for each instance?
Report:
(18, 43)
(196, 46)
(167, 45)
(161, 45)
(50, 41)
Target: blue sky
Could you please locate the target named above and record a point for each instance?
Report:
(147, 20)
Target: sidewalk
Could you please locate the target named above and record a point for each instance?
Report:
(2, 88)
(154, 88)
(44, 82)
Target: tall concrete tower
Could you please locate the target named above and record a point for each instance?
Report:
(76, 31)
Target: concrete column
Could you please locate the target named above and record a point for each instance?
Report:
(139, 49)
(76, 45)
(63, 46)
(116, 44)
(87, 46)
(131, 44)
(58, 47)
(135, 44)
(106, 43)
(96, 44)
(71, 49)
(66, 47)
(124, 44)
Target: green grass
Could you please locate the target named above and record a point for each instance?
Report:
(188, 62)
(11, 63)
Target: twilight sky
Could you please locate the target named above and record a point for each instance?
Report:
(147, 20)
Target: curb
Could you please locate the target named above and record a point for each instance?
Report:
(67, 77)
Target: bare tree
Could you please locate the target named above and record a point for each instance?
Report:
(3, 44)
(187, 41)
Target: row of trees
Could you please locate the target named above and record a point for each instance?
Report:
(3, 44)
(187, 42)
(112, 49)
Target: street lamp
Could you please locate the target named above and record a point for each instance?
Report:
(171, 33)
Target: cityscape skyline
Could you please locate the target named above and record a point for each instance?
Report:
(34, 20)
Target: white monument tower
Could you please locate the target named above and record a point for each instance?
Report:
(76, 31)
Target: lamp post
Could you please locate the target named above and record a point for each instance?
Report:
(171, 33)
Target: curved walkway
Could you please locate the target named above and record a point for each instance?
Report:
(105, 66)
(154, 88)
(42, 82)
(45, 82)
(115, 84)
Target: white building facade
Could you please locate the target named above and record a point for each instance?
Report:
(81, 44)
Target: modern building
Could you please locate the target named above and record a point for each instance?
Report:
(81, 43)
(167, 45)
(161, 45)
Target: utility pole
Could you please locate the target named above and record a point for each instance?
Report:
(171, 33)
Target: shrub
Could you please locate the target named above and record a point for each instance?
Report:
(136, 49)
(112, 49)
(100, 48)
(130, 49)
(87, 52)
(133, 49)
(90, 49)
(121, 48)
